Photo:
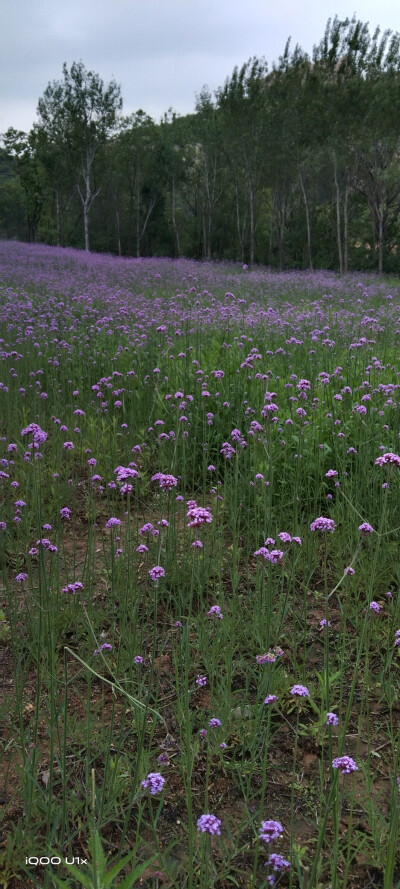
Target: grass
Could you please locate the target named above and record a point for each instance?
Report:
(214, 413)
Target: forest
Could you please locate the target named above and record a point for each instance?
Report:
(294, 166)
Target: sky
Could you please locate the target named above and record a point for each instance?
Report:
(161, 52)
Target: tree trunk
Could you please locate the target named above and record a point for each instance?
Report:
(338, 222)
(174, 223)
(252, 227)
(310, 264)
(57, 198)
(380, 236)
(346, 229)
(86, 224)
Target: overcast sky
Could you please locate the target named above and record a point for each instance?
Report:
(161, 52)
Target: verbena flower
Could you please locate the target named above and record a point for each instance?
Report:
(390, 458)
(209, 824)
(215, 723)
(365, 528)
(215, 611)
(105, 647)
(270, 699)
(332, 719)
(156, 572)
(345, 764)
(323, 524)
(201, 681)
(277, 862)
(113, 523)
(270, 830)
(154, 782)
(300, 691)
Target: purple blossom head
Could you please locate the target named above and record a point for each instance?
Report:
(215, 612)
(154, 782)
(65, 512)
(166, 482)
(104, 647)
(198, 515)
(270, 699)
(157, 572)
(374, 606)
(365, 528)
(345, 764)
(389, 458)
(113, 523)
(332, 719)
(201, 681)
(300, 691)
(209, 824)
(215, 723)
(270, 830)
(323, 524)
(278, 862)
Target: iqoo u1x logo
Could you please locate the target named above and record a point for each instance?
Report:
(44, 860)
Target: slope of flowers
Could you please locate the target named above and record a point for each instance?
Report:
(200, 511)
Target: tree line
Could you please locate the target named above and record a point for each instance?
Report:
(293, 167)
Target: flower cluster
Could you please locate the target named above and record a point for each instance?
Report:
(345, 764)
(323, 524)
(198, 515)
(154, 782)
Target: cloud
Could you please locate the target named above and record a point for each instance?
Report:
(160, 51)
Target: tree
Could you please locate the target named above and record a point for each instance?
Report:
(19, 150)
(242, 107)
(76, 116)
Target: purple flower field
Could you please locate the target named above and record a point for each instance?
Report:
(199, 539)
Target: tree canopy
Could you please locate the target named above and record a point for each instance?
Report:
(292, 166)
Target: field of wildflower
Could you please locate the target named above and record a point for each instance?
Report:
(199, 601)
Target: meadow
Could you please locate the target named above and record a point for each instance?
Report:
(199, 602)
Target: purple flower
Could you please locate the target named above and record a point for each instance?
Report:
(154, 782)
(278, 862)
(201, 681)
(215, 611)
(113, 523)
(73, 587)
(209, 824)
(345, 764)
(215, 723)
(270, 699)
(270, 830)
(374, 606)
(198, 515)
(166, 482)
(268, 658)
(323, 524)
(65, 512)
(365, 528)
(390, 458)
(300, 691)
(332, 719)
(105, 647)
(156, 572)
(21, 577)
(138, 659)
